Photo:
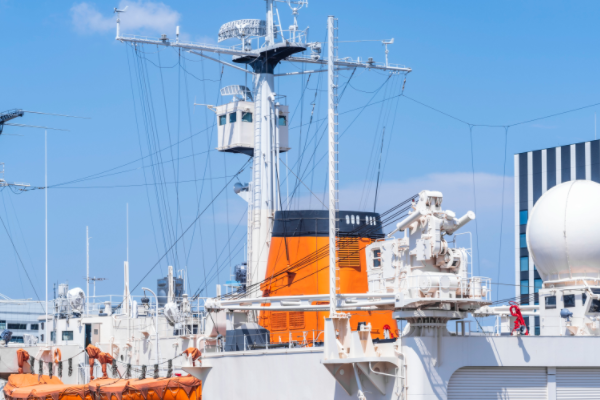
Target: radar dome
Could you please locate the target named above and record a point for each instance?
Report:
(563, 230)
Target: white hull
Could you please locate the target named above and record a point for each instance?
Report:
(521, 367)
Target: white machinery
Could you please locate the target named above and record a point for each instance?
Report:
(76, 298)
(422, 265)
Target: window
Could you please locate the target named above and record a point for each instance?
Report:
(42, 326)
(17, 326)
(595, 306)
(524, 287)
(523, 216)
(34, 327)
(357, 220)
(42, 338)
(376, 258)
(282, 120)
(524, 263)
(222, 120)
(232, 117)
(352, 219)
(2, 325)
(523, 241)
(550, 302)
(246, 117)
(347, 219)
(53, 336)
(16, 339)
(569, 300)
(67, 335)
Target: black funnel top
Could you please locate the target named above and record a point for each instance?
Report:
(316, 223)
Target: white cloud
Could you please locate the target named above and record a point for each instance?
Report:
(140, 17)
(457, 188)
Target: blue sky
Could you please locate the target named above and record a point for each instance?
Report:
(493, 63)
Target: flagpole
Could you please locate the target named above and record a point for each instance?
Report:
(46, 212)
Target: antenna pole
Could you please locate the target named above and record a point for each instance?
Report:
(46, 217)
(127, 233)
(87, 270)
(333, 198)
(270, 38)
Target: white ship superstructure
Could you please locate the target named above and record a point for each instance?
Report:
(416, 275)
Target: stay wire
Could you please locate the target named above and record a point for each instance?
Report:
(137, 125)
(19, 256)
(474, 197)
(502, 207)
(190, 226)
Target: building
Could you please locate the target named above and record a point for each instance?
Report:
(535, 173)
(21, 317)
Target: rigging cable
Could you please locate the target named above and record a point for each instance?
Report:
(141, 150)
(20, 260)
(378, 171)
(474, 198)
(502, 207)
(191, 225)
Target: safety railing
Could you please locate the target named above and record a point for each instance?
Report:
(266, 341)
(440, 286)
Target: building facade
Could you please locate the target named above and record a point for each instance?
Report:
(21, 317)
(535, 173)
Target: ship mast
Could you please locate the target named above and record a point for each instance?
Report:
(262, 193)
(333, 162)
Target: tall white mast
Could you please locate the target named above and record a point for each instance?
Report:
(46, 217)
(333, 170)
(87, 268)
(127, 233)
(264, 202)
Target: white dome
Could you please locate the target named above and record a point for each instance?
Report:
(563, 231)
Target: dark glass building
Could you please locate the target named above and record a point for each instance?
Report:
(535, 173)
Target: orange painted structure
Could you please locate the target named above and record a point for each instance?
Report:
(299, 265)
(42, 387)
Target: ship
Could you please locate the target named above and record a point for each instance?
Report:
(328, 305)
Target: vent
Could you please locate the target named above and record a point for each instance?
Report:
(296, 319)
(279, 321)
(348, 253)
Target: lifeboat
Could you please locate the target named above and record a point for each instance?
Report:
(44, 387)
(298, 264)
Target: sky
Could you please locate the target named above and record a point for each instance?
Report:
(474, 63)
